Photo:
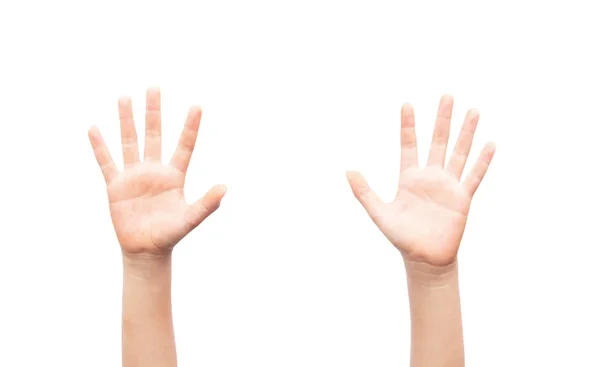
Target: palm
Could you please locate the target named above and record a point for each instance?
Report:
(148, 208)
(428, 215)
(427, 218)
(147, 205)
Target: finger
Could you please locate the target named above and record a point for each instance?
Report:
(105, 161)
(457, 162)
(205, 206)
(152, 145)
(183, 153)
(441, 131)
(480, 168)
(129, 142)
(408, 139)
(367, 197)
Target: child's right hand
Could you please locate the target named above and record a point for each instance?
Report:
(427, 218)
(147, 205)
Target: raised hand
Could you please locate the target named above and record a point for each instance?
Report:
(147, 205)
(427, 218)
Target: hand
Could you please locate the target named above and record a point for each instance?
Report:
(146, 199)
(427, 218)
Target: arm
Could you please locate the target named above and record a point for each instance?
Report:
(150, 216)
(147, 326)
(436, 324)
(425, 222)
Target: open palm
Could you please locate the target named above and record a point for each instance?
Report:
(147, 205)
(427, 218)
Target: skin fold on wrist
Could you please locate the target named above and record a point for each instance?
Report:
(429, 275)
(145, 266)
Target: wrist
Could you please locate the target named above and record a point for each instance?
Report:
(146, 266)
(431, 275)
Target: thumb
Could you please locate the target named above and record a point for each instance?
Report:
(205, 206)
(367, 197)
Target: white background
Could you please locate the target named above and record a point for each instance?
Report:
(290, 271)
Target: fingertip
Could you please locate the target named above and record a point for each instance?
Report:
(352, 175)
(94, 135)
(194, 116)
(153, 89)
(473, 112)
(222, 189)
(447, 98)
(93, 130)
(488, 152)
(216, 194)
(218, 188)
(196, 109)
(124, 100)
(357, 182)
(491, 148)
(407, 108)
(153, 99)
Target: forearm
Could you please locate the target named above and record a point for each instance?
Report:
(436, 324)
(147, 328)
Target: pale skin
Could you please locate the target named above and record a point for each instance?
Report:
(150, 216)
(425, 222)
